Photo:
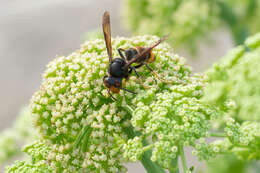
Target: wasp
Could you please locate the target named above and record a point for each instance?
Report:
(120, 68)
(144, 58)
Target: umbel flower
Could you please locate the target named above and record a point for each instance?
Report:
(169, 119)
(38, 152)
(234, 82)
(190, 21)
(179, 17)
(82, 129)
(72, 96)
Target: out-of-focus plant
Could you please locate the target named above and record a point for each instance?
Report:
(83, 130)
(93, 34)
(234, 81)
(38, 153)
(226, 164)
(234, 88)
(13, 138)
(190, 20)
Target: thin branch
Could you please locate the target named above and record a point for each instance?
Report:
(184, 164)
(221, 135)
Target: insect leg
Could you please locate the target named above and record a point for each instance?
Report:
(139, 65)
(130, 71)
(156, 74)
(120, 53)
(110, 94)
(139, 77)
(127, 90)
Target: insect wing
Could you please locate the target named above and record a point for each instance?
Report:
(146, 51)
(107, 34)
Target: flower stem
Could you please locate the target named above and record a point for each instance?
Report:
(129, 109)
(222, 135)
(150, 166)
(175, 168)
(184, 164)
(148, 147)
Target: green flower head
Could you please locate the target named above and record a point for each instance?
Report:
(72, 97)
(233, 81)
(82, 129)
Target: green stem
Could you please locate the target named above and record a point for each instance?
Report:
(82, 139)
(175, 168)
(222, 135)
(148, 147)
(149, 166)
(129, 109)
(184, 164)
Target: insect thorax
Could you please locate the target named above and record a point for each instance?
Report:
(116, 68)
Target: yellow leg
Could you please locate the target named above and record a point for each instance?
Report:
(156, 74)
(162, 80)
(141, 81)
(124, 82)
(107, 95)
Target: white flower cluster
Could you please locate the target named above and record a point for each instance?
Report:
(206, 151)
(179, 17)
(38, 152)
(25, 167)
(233, 82)
(133, 149)
(244, 138)
(170, 116)
(72, 96)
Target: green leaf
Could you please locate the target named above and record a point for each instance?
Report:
(82, 139)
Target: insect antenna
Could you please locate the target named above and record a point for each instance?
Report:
(127, 90)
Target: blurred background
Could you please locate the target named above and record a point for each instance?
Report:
(33, 32)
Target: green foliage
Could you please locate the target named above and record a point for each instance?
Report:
(84, 130)
(12, 138)
(189, 21)
(245, 139)
(227, 164)
(24, 167)
(233, 82)
(173, 117)
(37, 150)
(8, 146)
(73, 96)
(38, 164)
